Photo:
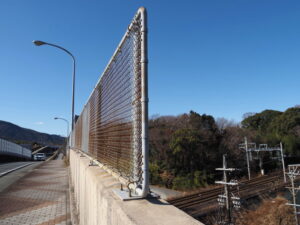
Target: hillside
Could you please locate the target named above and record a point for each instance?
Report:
(186, 149)
(12, 132)
(272, 127)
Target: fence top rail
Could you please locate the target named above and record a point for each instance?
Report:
(141, 11)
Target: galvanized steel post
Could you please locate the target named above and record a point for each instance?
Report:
(144, 190)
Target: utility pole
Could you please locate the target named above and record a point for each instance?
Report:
(244, 146)
(251, 147)
(282, 162)
(227, 194)
(294, 171)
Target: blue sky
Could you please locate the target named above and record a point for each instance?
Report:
(222, 58)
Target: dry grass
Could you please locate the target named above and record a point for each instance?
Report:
(270, 212)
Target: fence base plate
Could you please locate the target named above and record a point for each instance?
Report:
(124, 195)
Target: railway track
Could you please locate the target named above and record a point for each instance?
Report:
(203, 202)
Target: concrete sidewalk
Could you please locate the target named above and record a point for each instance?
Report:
(40, 198)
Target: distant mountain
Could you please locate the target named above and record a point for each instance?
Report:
(12, 132)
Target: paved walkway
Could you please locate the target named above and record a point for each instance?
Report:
(39, 198)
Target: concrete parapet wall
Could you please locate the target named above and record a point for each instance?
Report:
(96, 204)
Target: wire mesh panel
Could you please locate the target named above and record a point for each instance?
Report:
(11, 149)
(115, 118)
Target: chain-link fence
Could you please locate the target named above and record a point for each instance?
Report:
(113, 124)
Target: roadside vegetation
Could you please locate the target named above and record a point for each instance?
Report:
(186, 149)
(272, 211)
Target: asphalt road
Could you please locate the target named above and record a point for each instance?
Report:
(10, 178)
(4, 167)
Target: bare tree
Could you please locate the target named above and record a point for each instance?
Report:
(224, 123)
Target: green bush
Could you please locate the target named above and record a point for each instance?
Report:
(155, 177)
(182, 183)
(200, 179)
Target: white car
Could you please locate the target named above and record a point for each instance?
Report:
(39, 156)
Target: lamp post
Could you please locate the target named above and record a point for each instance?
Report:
(39, 43)
(68, 125)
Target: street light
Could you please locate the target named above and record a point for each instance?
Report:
(39, 43)
(68, 125)
(59, 118)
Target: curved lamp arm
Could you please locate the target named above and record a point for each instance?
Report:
(39, 43)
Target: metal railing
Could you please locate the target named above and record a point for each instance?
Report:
(11, 149)
(113, 126)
